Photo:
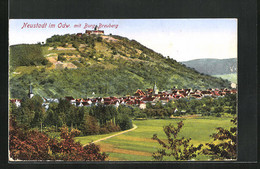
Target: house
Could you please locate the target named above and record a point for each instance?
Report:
(17, 102)
(206, 93)
(79, 34)
(79, 104)
(233, 85)
(197, 96)
(139, 93)
(46, 105)
(86, 104)
(117, 104)
(147, 99)
(142, 105)
(149, 91)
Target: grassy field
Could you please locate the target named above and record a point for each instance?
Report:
(137, 145)
(231, 77)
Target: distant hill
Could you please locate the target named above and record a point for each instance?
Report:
(230, 77)
(80, 66)
(213, 66)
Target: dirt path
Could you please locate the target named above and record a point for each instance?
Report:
(135, 127)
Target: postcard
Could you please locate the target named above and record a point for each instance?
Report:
(123, 89)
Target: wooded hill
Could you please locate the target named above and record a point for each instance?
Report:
(80, 65)
(213, 66)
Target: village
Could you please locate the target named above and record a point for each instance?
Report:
(138, 99)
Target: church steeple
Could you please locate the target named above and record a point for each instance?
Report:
(155, 90)
(30, 94)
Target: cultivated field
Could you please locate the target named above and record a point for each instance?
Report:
(137, 145)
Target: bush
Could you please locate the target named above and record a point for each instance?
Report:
(103, 130)
(99, 39)
(34, 145)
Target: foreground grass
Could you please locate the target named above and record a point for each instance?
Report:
(137, 145)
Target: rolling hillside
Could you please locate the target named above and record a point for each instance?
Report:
(85, 66)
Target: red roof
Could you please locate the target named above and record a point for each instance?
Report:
(147, 99)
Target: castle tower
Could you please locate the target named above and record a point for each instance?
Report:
(30, 94)
(96, 28)
(155, 90)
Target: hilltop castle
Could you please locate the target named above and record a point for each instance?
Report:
(96, 31)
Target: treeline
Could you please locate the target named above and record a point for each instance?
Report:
(206, 106)
(98, 119)
(27, 55)
(64, 40)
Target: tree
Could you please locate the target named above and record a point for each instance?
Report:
(90, 126)
(31, 113)
(36, 106)
(124, 122)
(53, 117)
(227, 148)
(65, 111)
(178, 148)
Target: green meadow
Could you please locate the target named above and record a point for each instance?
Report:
(137, 145)
(231, 77)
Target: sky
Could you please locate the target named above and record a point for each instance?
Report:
(180, 39)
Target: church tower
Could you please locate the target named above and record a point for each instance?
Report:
(30, 94)
(155, 90)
